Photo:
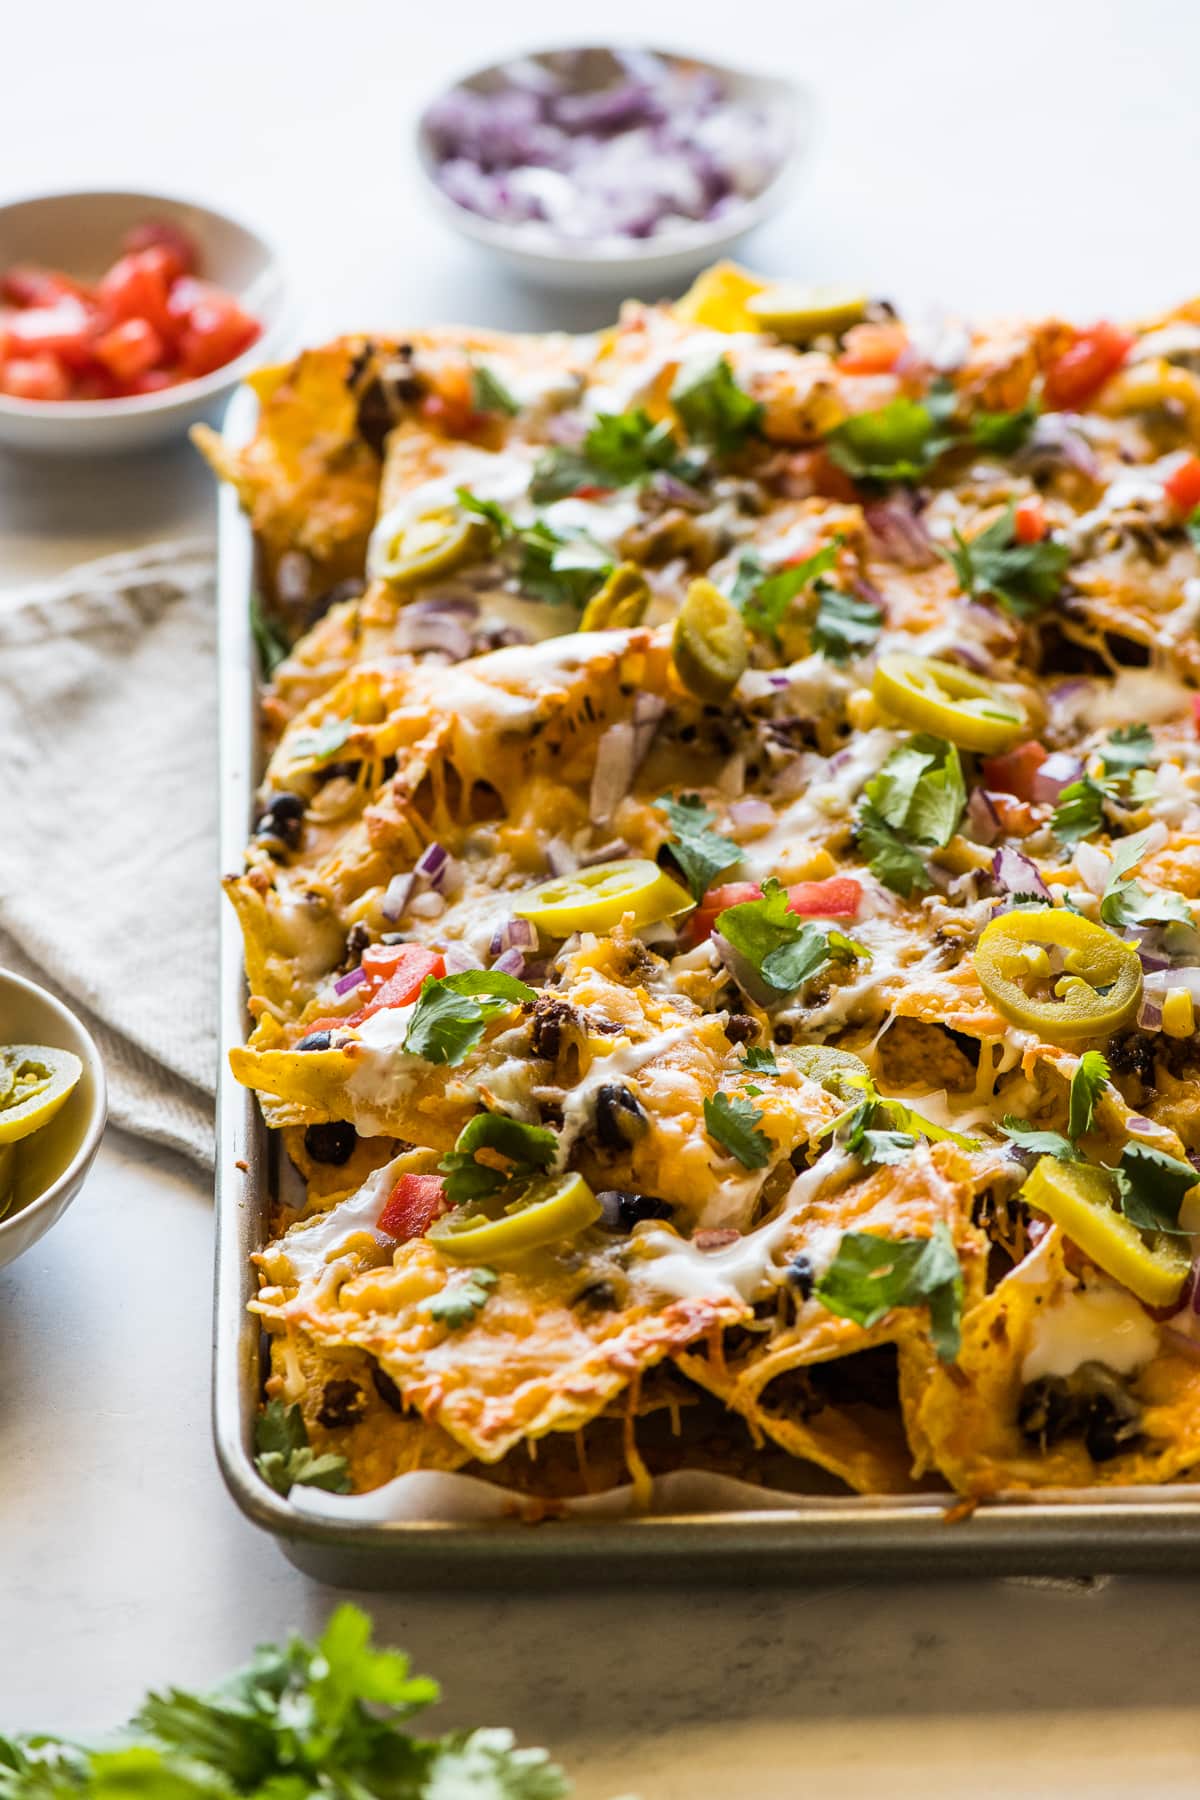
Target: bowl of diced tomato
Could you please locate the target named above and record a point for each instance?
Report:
(125, 317)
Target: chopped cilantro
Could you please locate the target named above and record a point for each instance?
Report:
(783, 948)
(1038, 1142)
(733, 1123)
(871, 1275)
(761, 1061)
(750, 573)
(702, 854)
(844, 625)
(1128, 748)
(880, 1130)
(489, 394)
(765, 605)
(526, 1148)
(917, 798)
(453, 1010)
(899, 442)
(1151, 1186)
(713, 408)
(322, 741)
(560, 568)
(1004, 432)
(462, 1297)
(283, 1456)
(1128, 902)
(269, 640)
(1087, 1084)
(1024, 578)
(1080, 810)
(620, 448)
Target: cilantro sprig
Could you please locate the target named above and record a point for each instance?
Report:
(1079, 811)
(283, 1457)
(779, 945)
(880, 1129)
(713, 408)
(702, 854)
(453, 1011)
(870, 1276)
(489, 394)
(1127, 902)
(1151, 1186)
(733, 1123)
(269, 640)
(841, 625)
(1024, 578)
(321, 742)
(618, 450)
(462, 1298)
(1004, 432)
(1128, 749)
(561, 568)
(300, 1720)
(916, 799)
(899, 442)
(1087, 1084)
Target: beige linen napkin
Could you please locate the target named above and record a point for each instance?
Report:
(108, 833)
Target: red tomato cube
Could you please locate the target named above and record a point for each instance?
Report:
(136, 287)
(130, 349)
(1183, 485)
(34, 378)
(63, 330)
(172, 240)
(25, 285)
(216, 331)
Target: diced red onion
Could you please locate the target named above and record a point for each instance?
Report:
(748, 814)
(679, 493)
(1017, 875)
(511, 963)
(1135, 1122)
(431, 865)
(513, 934)
(396, 897)
(1056, 440)
(1153, 961)
(982, 817)
(616, 765)
(1149, 1014)
(417, 632)
(744, 974)
(1057, 772)
(971, 656)
(898, 528)
(458, 959)
(344, 983)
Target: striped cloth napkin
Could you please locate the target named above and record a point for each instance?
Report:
(108, 830)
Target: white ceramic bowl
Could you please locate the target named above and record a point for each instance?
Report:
(81, 233)
(52, 1163)
(643, 267)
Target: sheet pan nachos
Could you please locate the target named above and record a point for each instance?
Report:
(722, 926)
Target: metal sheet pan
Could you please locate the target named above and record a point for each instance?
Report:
(806, 1538)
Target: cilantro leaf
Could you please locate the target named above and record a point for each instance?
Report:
(917, 797)
(527, 1149)
(1151, 1186)
(750, 573)
(1024, 578)
(501, 522)
(872, 1275)
(620, 448)
(321, 742)
(483, 1765)
(1037, 1141)
(1080, 810)
(559, 568)
(899, 442)
(269, 640)
(1128, 902)
(713, 408)
(1129, 747)
(489, 394)
(461, 1299)
(1004, 432)
(733, 1123)
(453, 1010)
(844, 625)
(283, 1456)
(783, 948)
(766, 606)
(1087, 1084)
(701, 854)
(761, 1061)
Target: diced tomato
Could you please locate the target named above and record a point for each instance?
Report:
(1073, 378)
(160, 234)
(1029, 520)
(63, 330)
(838, 898)
(591, 490)
(1182, 485)
(1013, 772)
(1017, 817)
(412, 1206)
(216, 331)
(95, 383)
(34, 378)
(25, 285)
(137, 287)
(873, 349)
(395, 974)
(151, 381)
(130, 348)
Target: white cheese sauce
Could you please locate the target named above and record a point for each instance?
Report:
(312, 1245)
(1099, 1323)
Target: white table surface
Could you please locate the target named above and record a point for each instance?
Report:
(1034, 155)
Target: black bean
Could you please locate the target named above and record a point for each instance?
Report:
(387, 1390)
(1047, 1411)
(316, 1040)
(741, 1028)
(331, 1143)
(284, 818)
(601, 1296)
(620, 1116)
(622, 1210)
(800, 1275)
(342, 1403)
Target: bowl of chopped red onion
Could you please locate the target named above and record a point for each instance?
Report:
(587, 168)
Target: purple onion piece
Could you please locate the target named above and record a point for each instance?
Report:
(513, 934)
(431, 865)
(344, 983)
(898, 528)
(1017, 875)
(436, 631)
(1057, 772)
(458, 959)
(982, 817)
(396, 897)
(1153, 961)
(1149, 1014)
(748, 813)
(744, 974)
(512, 962)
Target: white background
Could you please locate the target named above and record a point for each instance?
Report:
(1031, 155)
